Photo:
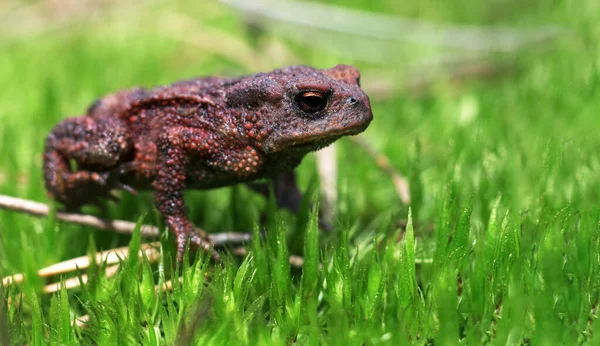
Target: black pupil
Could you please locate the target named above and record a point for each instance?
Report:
(312, 102)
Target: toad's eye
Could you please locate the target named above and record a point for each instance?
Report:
(311, 101)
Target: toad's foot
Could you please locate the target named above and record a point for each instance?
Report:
(186, 233)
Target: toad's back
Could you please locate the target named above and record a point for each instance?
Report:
(193, 103)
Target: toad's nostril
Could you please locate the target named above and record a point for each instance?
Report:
(352, 100)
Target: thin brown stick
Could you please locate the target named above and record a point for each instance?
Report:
(108, 257)
(42, 210)
(400, 183)
(327, 168)
(118, 226)
(75, 282)
(69, 283)
(295, 261)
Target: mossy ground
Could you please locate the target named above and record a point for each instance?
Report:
(506, 172)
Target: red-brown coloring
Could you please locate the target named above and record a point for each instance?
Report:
(203, 133)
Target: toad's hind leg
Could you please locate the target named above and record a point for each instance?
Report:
(95, 145)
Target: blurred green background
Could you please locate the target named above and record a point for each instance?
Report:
(488, 105)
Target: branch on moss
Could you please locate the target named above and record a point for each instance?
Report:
(400, 182)
(118, 226)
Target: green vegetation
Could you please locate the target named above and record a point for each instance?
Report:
(503, 246)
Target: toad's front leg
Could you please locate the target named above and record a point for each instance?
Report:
(175, 149)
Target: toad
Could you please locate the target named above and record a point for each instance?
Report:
(200, 134)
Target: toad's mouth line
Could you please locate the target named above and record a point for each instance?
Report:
(312, 141)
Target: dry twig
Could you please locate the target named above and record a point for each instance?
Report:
(75, 282)
(108, 257)
(119, 226)
(295, 261)
(400, 183)
(327, 168)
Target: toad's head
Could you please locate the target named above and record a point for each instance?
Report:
(300, 108)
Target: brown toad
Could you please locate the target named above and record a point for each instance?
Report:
(203, 133)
